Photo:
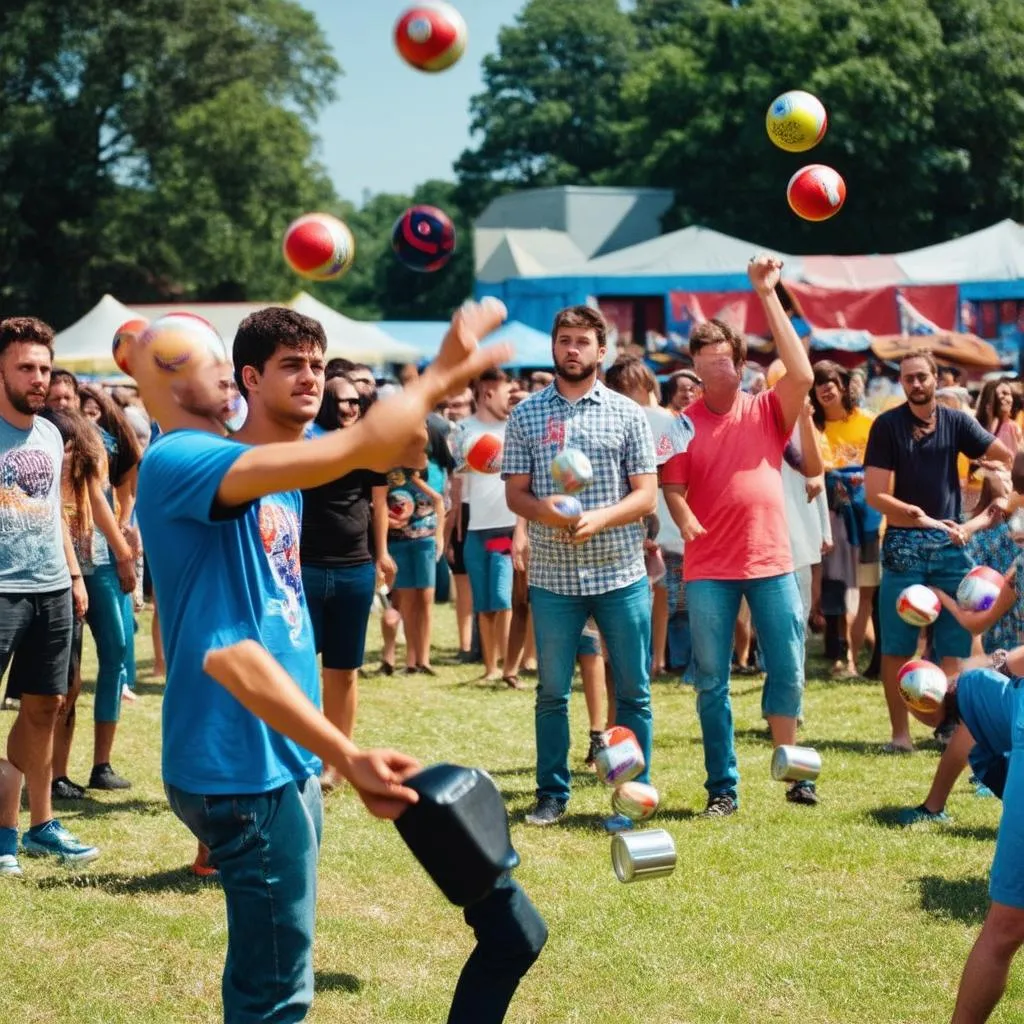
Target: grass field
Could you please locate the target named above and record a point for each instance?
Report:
(780, 913)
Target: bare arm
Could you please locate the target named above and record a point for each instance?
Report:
(120, 549)
(393, 432)
(878, 485)
(977, 623)
(765, 273)
(79, 597)
(385, 563)
(125, 492)
(253, 677)
(811, 462)
(521, 500)
(454, 523)
(682, 515)
(998, 452)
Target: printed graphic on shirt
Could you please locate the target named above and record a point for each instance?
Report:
(279, 532)
(554, 432)
(26, 477)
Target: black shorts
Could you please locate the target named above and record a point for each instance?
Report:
(36, 631)
(457, 563)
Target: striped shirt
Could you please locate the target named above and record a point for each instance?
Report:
(612, 431)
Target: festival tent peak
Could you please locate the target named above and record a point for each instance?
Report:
(85, 345)
(531, 347)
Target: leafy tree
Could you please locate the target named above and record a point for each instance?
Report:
(551, 102)
(156, 149)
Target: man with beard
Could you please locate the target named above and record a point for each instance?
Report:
(911, 478)
(590, 566)
(41, 591)
(725, 494)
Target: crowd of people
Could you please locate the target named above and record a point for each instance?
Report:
(721, 526)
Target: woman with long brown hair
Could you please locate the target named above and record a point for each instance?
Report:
(997, 413)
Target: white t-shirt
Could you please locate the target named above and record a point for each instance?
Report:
(807, 521)
(485, 492)
(672, 434)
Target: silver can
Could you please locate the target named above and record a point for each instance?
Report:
(795, 764)
(650, 853)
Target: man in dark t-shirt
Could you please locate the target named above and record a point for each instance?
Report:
(911, 478)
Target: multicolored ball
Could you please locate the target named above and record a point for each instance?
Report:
(796, 121)
(636, 800)
(569, 506)
(177, 339)
(483, 453)
(816, 192)
(918, 605)
(620, 758)
(431, 36)
(922, 684)
(979, 589)
(124, 338)
(318, 247)
(571, 471)
(423, 238)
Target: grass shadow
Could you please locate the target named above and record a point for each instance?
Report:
(887, 817)
(336, 981)
(983, 833)
(960, 899)
(179, 880)
(89, 808)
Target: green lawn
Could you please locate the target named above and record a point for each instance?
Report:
(781, 913)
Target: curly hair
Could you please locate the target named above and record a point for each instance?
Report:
(262, 333)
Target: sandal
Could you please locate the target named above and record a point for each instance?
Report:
(895, 748)
(512, 682)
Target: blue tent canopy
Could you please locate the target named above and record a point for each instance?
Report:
(532, 347)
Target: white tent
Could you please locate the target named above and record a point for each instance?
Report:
(353, 339)
(85, 345)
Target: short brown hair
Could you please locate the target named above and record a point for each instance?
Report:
(712, 332)
(581, 316)
(630, 373)
(25, 329)
(921, 353)
(1017, 473)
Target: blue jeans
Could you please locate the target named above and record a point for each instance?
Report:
(339, 599)
(777, 615)
(265, 846)
(624, 618)
(111, 618)
(490, 572)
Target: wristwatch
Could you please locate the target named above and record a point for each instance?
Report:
(998, 659)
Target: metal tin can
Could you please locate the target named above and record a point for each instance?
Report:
(650, 853)
(795, 764)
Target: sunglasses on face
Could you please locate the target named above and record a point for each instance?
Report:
(348, 401)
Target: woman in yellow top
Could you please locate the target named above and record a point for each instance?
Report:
(854, 561)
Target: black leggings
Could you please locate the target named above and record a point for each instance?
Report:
(510, 933)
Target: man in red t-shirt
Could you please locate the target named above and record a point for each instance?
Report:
(725, 494)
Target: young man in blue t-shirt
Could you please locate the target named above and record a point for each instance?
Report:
(220, 521)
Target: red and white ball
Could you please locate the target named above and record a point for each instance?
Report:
(431, 36)
(176, 341)
(571, 471)
(483, 453)
(923, 685)
(636, 800)
(124, 338)
(918, 605)
(979, 589)
(796, 121)
(318, 247)
(620, 758)
(816, 192)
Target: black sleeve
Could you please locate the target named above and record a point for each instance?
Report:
(880, 452)
(972, 439)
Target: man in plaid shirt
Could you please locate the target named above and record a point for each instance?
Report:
(591, 566)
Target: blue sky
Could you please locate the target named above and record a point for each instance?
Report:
(392, 126)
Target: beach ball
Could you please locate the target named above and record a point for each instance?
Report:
(483, 453)
(918, 605)
(318, 246)
(569, 506)
(175, 340)
(922, 685)
(431, 36)
(423, 238)
(571, 471)
(979, 589)
(796, 121)
(636, 800)
(124, 338)
(816, 192)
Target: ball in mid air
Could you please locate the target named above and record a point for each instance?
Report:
(318, 247)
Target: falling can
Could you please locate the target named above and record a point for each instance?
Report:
(795, 764)
(649, 853)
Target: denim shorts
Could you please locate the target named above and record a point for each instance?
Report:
(339, 600)
(488, 559)
(416, 561)
(926, 557)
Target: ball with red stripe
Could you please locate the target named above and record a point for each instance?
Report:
(124, 338)
(423, 238)
(178, 340)
(816, 192)
(431, 36)
(319, 247)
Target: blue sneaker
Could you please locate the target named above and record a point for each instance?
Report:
(920, 815)
(54, 840)
(9, 866)
(617, 823)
